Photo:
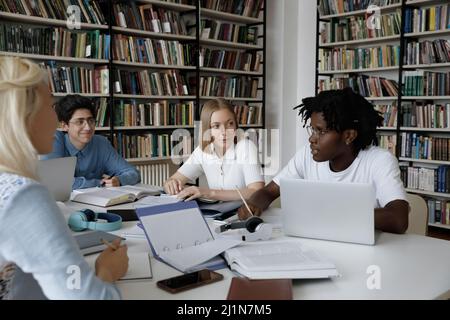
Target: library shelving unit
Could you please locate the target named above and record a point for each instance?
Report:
(420, 136)
(147, 51)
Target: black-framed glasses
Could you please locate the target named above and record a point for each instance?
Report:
(313, 131)
(81, 122)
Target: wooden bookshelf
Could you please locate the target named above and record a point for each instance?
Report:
(447, 163)
(230, 71)
(387, 128)
(402, 41)
(439, 130)
(424, 2)
(192, 38)
(169, 5)
(151, 65)
(136, 96)
(426, 97)
(229, 44)
(427, 66)
(208, 13)
(383, 9)
(327, 72)
(359, 42)
(439, 225)
(427, 34)
(429, 193)
(7, 16)
(382, 98)
(231, 98)
(150, 34)
(87, 95)
(54, 58)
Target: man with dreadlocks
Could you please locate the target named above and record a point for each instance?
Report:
(343, 148)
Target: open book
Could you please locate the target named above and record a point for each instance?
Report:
(278, 259)
(179, 235)
(105, 197)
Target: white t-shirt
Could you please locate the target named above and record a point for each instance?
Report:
(373, 165)
(238, 167)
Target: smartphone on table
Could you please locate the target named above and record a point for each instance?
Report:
(189, 281)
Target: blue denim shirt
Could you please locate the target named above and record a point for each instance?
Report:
(97, 158)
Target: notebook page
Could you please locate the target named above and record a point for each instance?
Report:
(276, 255)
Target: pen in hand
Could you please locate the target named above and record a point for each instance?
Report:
(109, 244)
(109, 178)
(243, 200)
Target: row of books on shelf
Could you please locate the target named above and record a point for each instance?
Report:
(161, 113)
(151, 145)
(54, 42)
(218, 30)
(248, 115)
(140, 50)
(246, 8)
(356, 28)
(164, 113)
(233, 87)
(438, 211)
(388, 142)
(389, 114)
(102, 113)
(426, 83)
(90, 11)
(329, 7)
(432, 179)
(362, 84)
(229, 59)
(426, 52)
(427, 18)
(149, 18)
(419, 146)
(359, 58)
(77, 79)
(162, 83)
(422, 115)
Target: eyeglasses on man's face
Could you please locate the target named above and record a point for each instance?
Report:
(315, 132)
(81, 122)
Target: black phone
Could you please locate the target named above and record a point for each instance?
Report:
(189, 281)
(126, 214)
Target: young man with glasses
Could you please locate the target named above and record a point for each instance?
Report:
(342, 148)
(96, 158)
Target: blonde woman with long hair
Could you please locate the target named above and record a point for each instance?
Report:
(34, 236)
(227, 162)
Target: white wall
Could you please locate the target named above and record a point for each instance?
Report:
(291, 40)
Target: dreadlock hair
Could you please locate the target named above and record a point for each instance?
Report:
(344, 109)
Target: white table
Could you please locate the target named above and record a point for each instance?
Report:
(411, 267)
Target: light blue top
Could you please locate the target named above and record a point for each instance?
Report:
(35, 239)
(97, 158)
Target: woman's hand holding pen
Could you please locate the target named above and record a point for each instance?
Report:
(112, 263)
(110, 181)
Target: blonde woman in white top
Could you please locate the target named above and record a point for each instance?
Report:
(226, 162)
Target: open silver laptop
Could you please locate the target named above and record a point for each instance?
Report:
(328, 210)
(58, 175)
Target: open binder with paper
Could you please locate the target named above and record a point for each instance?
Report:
(179, 235)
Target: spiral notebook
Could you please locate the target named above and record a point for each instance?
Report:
(180, 237)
